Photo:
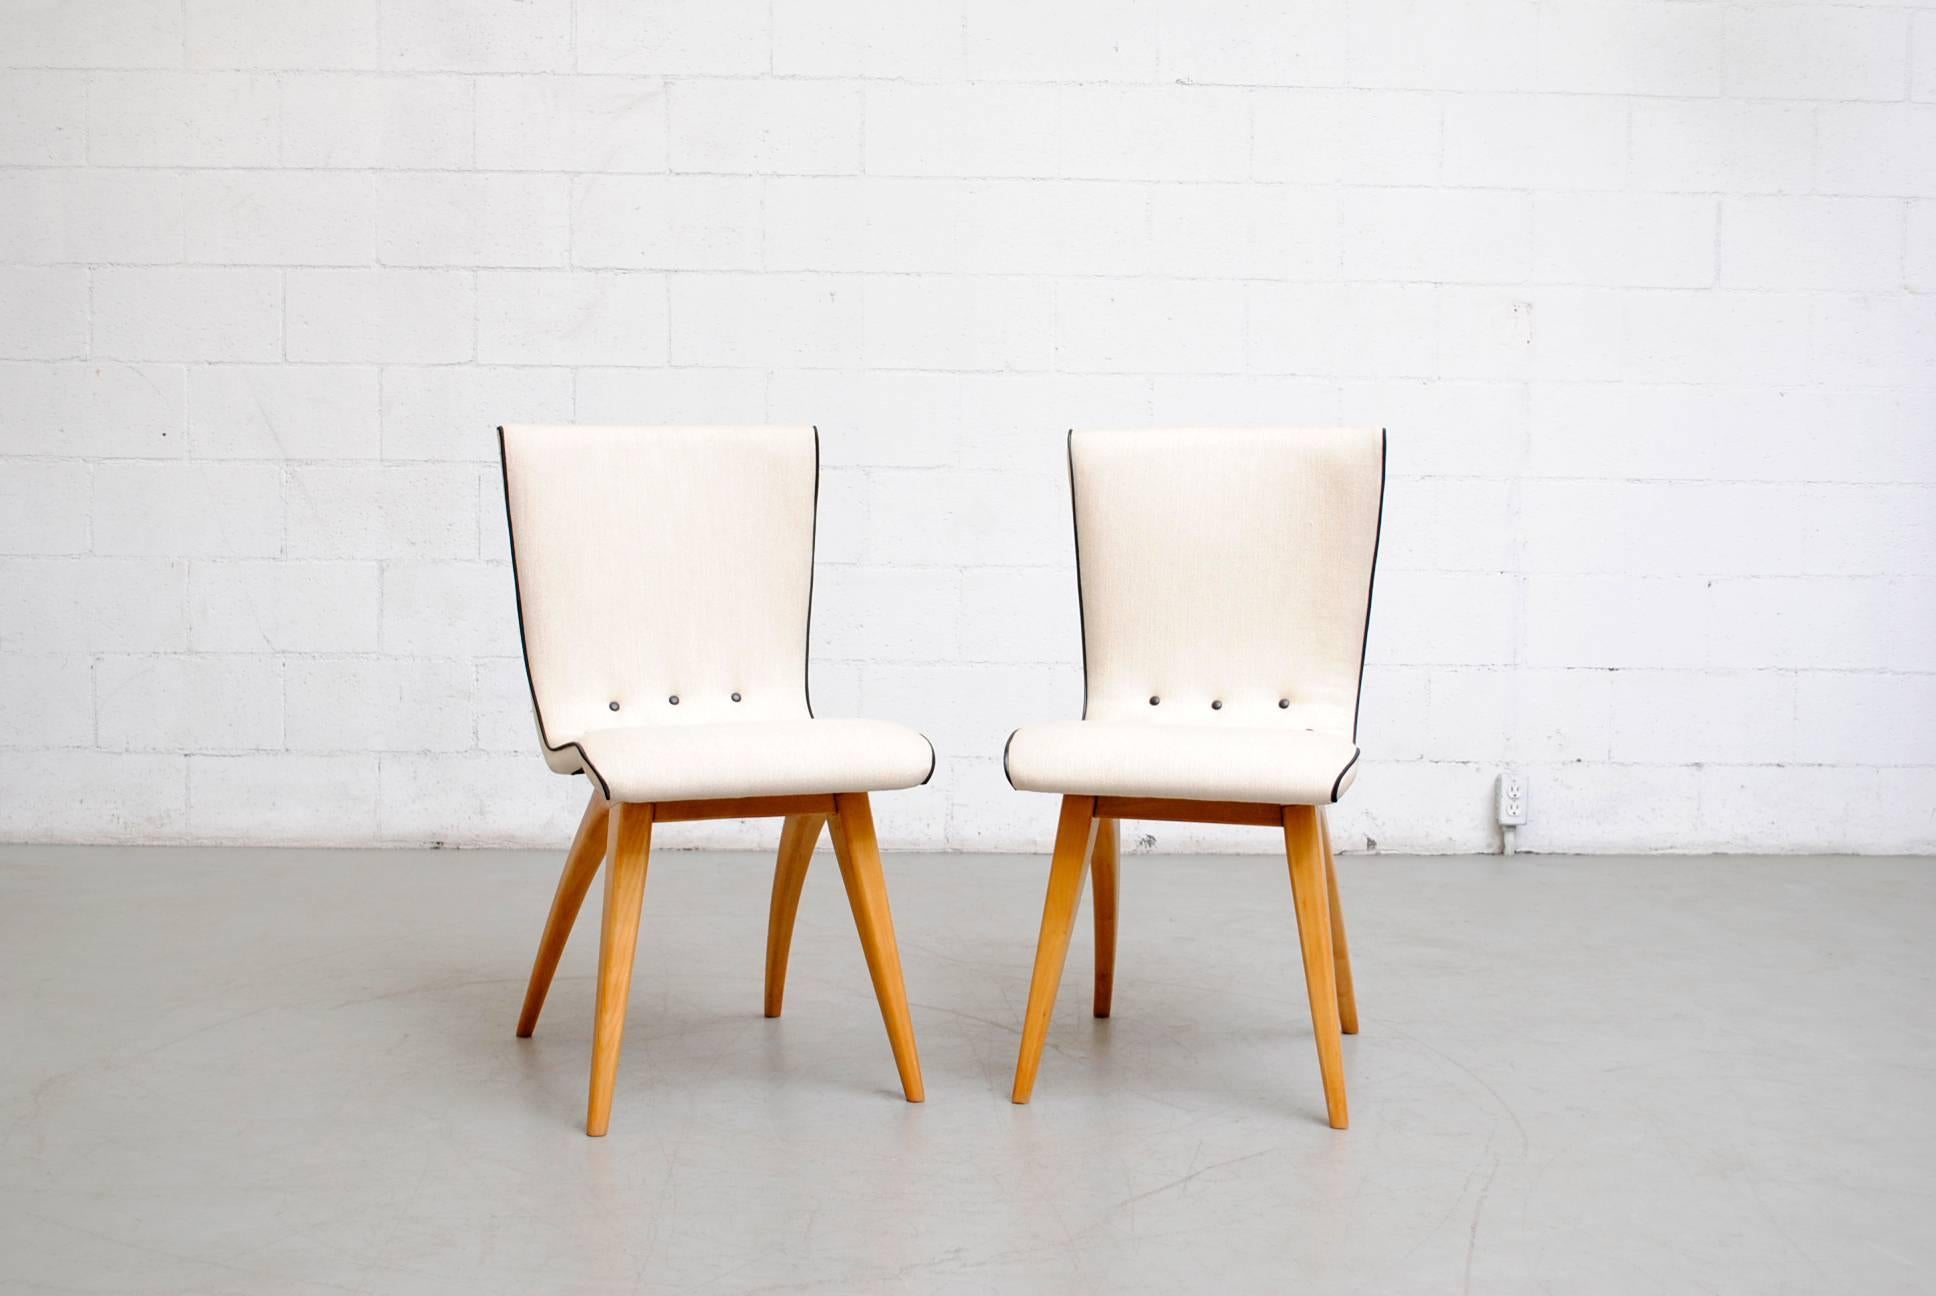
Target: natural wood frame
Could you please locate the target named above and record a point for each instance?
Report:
(1087, 840)
(618, 835)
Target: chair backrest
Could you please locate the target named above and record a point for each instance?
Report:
(661, 562)
(1228, 566)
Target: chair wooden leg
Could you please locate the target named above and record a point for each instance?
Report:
(859, 854)
(797, 840)
(581, 866)
(1103, 861)
(1075, 835)
(1304, 844)
(1340, 951)
(629, 846)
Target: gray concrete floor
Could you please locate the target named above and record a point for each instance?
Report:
(260, 1071)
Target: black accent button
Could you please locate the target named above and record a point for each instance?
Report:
(1155, 700)
(1217, 705)
(735, 697)
(1283, 704)
(613, 705)
(674, 699)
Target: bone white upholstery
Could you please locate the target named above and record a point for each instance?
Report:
(1225, 573)
(655, 563)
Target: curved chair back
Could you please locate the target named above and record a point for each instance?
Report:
(1226, 573)
(655, 563)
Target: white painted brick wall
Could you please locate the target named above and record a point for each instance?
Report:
(1645, 291)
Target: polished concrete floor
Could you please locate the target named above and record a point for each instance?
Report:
(265, 1071)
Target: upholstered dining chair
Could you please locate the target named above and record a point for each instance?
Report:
(664, 583)
(1224, 578)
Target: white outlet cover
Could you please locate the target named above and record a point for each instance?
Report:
(1512, 798)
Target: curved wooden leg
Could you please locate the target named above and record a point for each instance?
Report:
(581, 866)
(1102, 882)
(797, 840)
(1075, 833)
(1340, 951)
(860, 869)
(628, 848)
(1304, 844)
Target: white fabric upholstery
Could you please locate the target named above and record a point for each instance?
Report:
(1200, 762)
(678, 762)
(677, 562)
(1225, 573)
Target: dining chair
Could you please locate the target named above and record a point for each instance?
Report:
(1224, 578)
(664, 581)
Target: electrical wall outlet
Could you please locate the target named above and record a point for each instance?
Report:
(1512, 798)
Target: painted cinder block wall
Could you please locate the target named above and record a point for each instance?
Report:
(1645, 293)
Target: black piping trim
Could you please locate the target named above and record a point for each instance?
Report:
(813, 547)
(1338, 783)
(1005, 747)
(517, 590)
(1082, 617)
(1371, 583)
(932, 759)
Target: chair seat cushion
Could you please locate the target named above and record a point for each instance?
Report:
(1196, 762)
(692, 762)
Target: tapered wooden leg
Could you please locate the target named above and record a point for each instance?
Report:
(1075, 833)
(1102, 883)
(629, 844)
(581, 866)
(797, 840)
(1340, 951)
(860, 869)
(1304, 844)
